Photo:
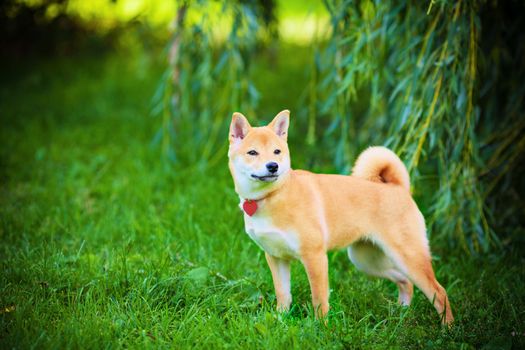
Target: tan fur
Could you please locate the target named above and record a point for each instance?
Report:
(303, 215)
(381, 165)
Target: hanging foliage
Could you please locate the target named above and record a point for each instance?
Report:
(206, 79)
(438, 82)
(406, 74)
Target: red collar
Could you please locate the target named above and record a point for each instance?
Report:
(250, 206)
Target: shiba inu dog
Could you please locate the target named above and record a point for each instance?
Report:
(295, 214)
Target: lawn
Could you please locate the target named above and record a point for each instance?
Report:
(105, 244)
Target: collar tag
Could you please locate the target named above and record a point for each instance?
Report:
(249, 206)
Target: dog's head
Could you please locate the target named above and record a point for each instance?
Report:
(259, 156)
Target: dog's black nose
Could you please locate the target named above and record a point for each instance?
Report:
(272, 167)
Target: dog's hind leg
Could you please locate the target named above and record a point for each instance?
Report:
(414, 260)
(370, 259)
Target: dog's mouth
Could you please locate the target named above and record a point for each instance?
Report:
(265, 178)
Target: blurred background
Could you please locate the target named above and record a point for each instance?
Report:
(115, 113)
(440, 83)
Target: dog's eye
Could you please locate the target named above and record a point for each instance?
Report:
(253, 152)
(277, 151)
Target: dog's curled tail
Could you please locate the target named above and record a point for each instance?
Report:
(380, 164)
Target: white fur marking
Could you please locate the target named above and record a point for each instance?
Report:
(322, 218)
(271, 239)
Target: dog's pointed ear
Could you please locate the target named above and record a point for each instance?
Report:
(280, 124)
(239, 127)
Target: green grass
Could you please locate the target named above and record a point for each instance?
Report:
(105, 245)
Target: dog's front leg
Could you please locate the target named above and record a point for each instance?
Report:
(281, 280)
(316, 266)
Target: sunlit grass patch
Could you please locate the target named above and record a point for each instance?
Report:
(104, 245)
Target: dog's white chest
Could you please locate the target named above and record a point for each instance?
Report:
(274, 241)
